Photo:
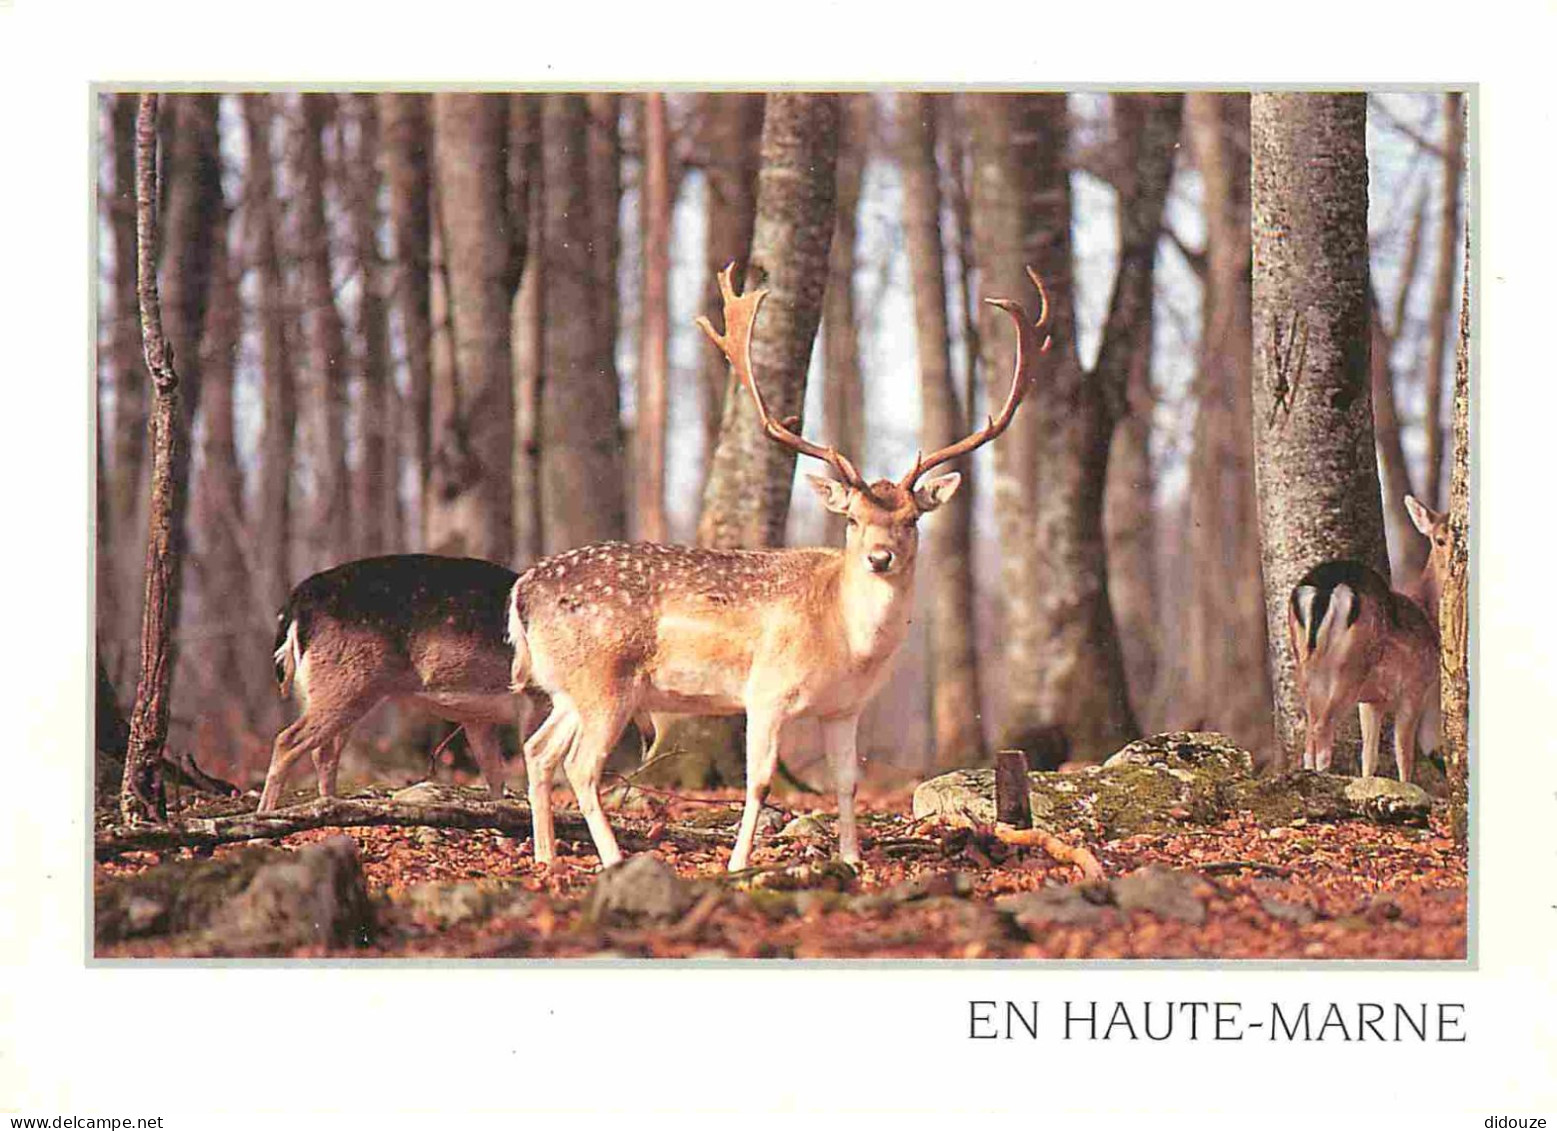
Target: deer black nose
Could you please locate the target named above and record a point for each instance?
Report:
(880, 560)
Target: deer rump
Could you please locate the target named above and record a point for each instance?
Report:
(1359, 643)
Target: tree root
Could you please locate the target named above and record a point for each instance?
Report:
(1054, 846)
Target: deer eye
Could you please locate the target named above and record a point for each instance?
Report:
(852, 522)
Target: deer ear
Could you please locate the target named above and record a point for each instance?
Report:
(933, 492)
(835, 495)
(1421, 517)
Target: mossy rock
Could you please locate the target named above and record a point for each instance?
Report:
(1287, 797)
(1152, 785)
(175, 897)
(1168, 781)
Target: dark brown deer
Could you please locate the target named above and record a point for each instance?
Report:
(613, 630)
(1360, 643)
(415, 627)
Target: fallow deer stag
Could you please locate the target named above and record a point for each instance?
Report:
(1358, 642)
(613, 630)
(406, 626)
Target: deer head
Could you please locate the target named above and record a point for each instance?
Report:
(883, 517)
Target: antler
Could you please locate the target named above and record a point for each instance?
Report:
(1027, 350)
(740, 311)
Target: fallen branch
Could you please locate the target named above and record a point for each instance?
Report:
(511, 818)
(1054, 846)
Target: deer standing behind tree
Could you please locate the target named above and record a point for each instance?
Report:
(613, 630)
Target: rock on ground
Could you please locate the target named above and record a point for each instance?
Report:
(1168, 781)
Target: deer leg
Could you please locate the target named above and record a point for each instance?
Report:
(327, 764)
(1372, 718)
(489, 755)
(584, 765)
(319, 727)
(541, 755)
(1407, 719)
(762, 746)
(839, 737)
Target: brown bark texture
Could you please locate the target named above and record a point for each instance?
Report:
(654, 331)
(525, 138)
(407, 145)
(843, 399)
(1004, 214)
(1080, 672)
(1225, 678)
(1438, 320)
(955, 699)
(730, 136)
(582, 482)
(140, 796)
(1316, 472)
(747, 498)
(472, 475)
(1454, 603)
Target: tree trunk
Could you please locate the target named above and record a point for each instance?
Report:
(746, 500)
(262, 214)
(582, 482)
(407, 146)
(1316, 472)
(1454, 603)
(730, 144)
(1130, 530)
(1409, 549)
(1080, 672)
(1006, 237)
(654, 337)
(843, 398)
(1443, 292)
(957, 161)
(140, 796)
(1224, 647)
(955, 701)
(529, 335)
(473, 458)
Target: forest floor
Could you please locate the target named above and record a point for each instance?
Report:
(1309, 890)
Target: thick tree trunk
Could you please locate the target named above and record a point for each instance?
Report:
(730, 143)
(1443, 292)
(1226, 681)
(379, 521)
(955, 701)
(1316, 471)
(1130, 531)
(582, 483)
(529, 334)
(746, 500)
(326, 366)
(473, 461)
(1008, 235)
(407, 148)
(654, 335)
(843, 390)
(1081, 679)
(262, 214)
(1454, 603)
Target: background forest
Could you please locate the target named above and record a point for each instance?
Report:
(463, 323)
